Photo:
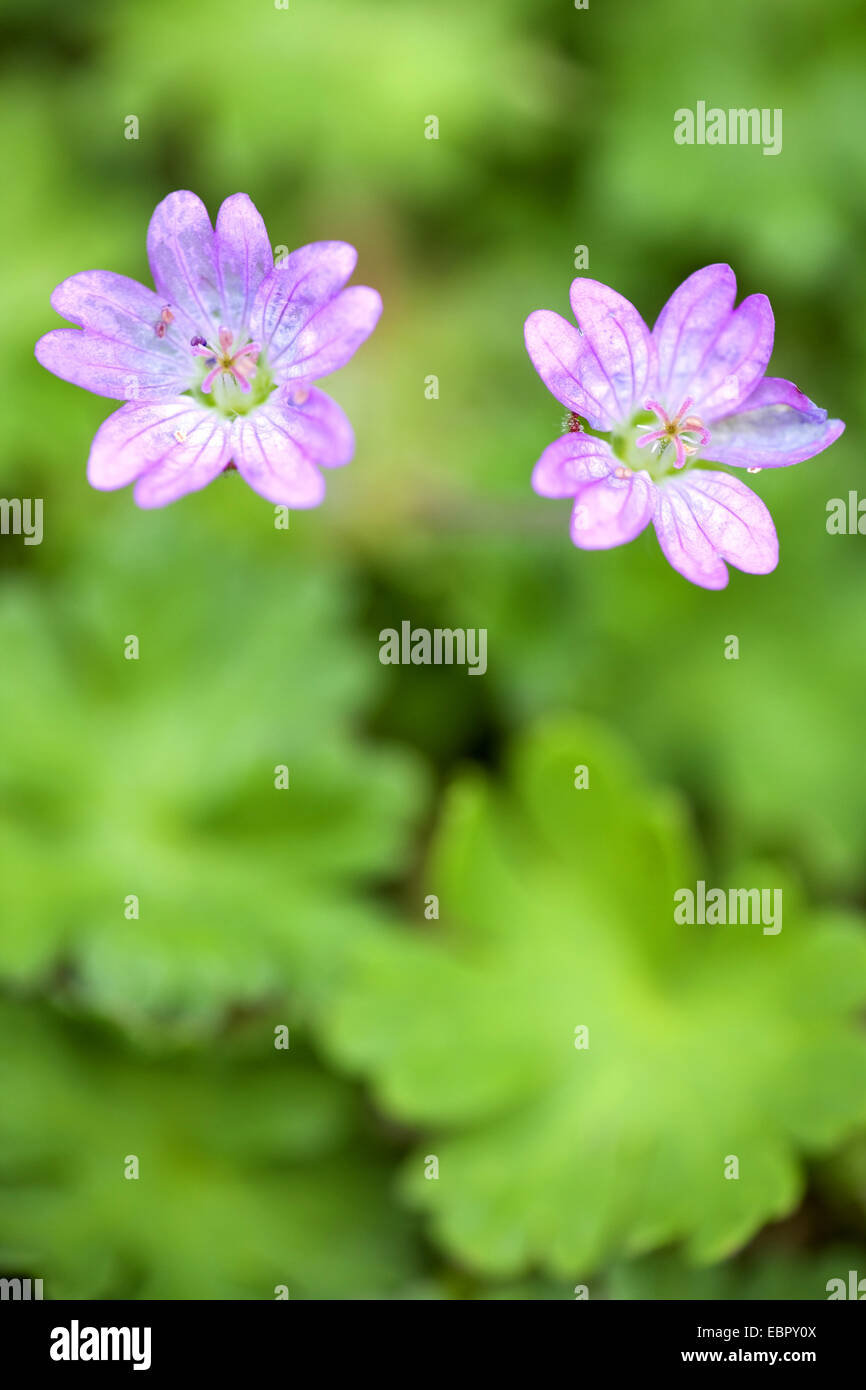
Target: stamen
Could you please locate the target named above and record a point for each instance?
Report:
(165, 317)
(687, 433)
(241, 366)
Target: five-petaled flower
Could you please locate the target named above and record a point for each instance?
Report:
(218, 364)
(646, 409)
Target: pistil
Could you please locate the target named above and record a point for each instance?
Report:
(686, 432)
(240, 365)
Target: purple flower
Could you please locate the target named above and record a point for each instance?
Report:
(217, 365)
(647, 409)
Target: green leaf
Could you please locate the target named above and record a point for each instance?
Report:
(251, 1171)
(704, 1042)
(155, 778)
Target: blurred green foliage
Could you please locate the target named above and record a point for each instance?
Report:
(259, 647)
(159, 781)
(557, 1150)
(252, 1176)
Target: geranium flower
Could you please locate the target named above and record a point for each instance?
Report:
(217, 364)
(647, 410)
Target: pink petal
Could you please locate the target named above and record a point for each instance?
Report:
(688, 325)
(272, 462)
(704, 518)
(737, 360)
(294, 292)
(621, 369)
(182, 254)
(112, 367)
(568, 367)
(315, 422)
(570, 462)
(776, 427)
(178, 446)
(705, 350)
(331, 338)
(244, 259)
(115, 307)
(612, 511)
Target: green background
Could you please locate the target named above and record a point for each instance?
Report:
(412, 1038)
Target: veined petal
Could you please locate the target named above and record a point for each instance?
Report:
(776, 427)
(687, 327)
(737, 360)
(272, 461)
(112, 367)
(183, 445)
(244, 259)
(709, 351)
(568, 367)
(182, 254)
(704, 518)
(624, 368)
(115, 307)
(612, 511)
(319, 427)
(294, 292)
(570, 462)
(187, 468)
(331, 337)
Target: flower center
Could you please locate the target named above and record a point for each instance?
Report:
(236, 377)
(684, 433)
(670, 441)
